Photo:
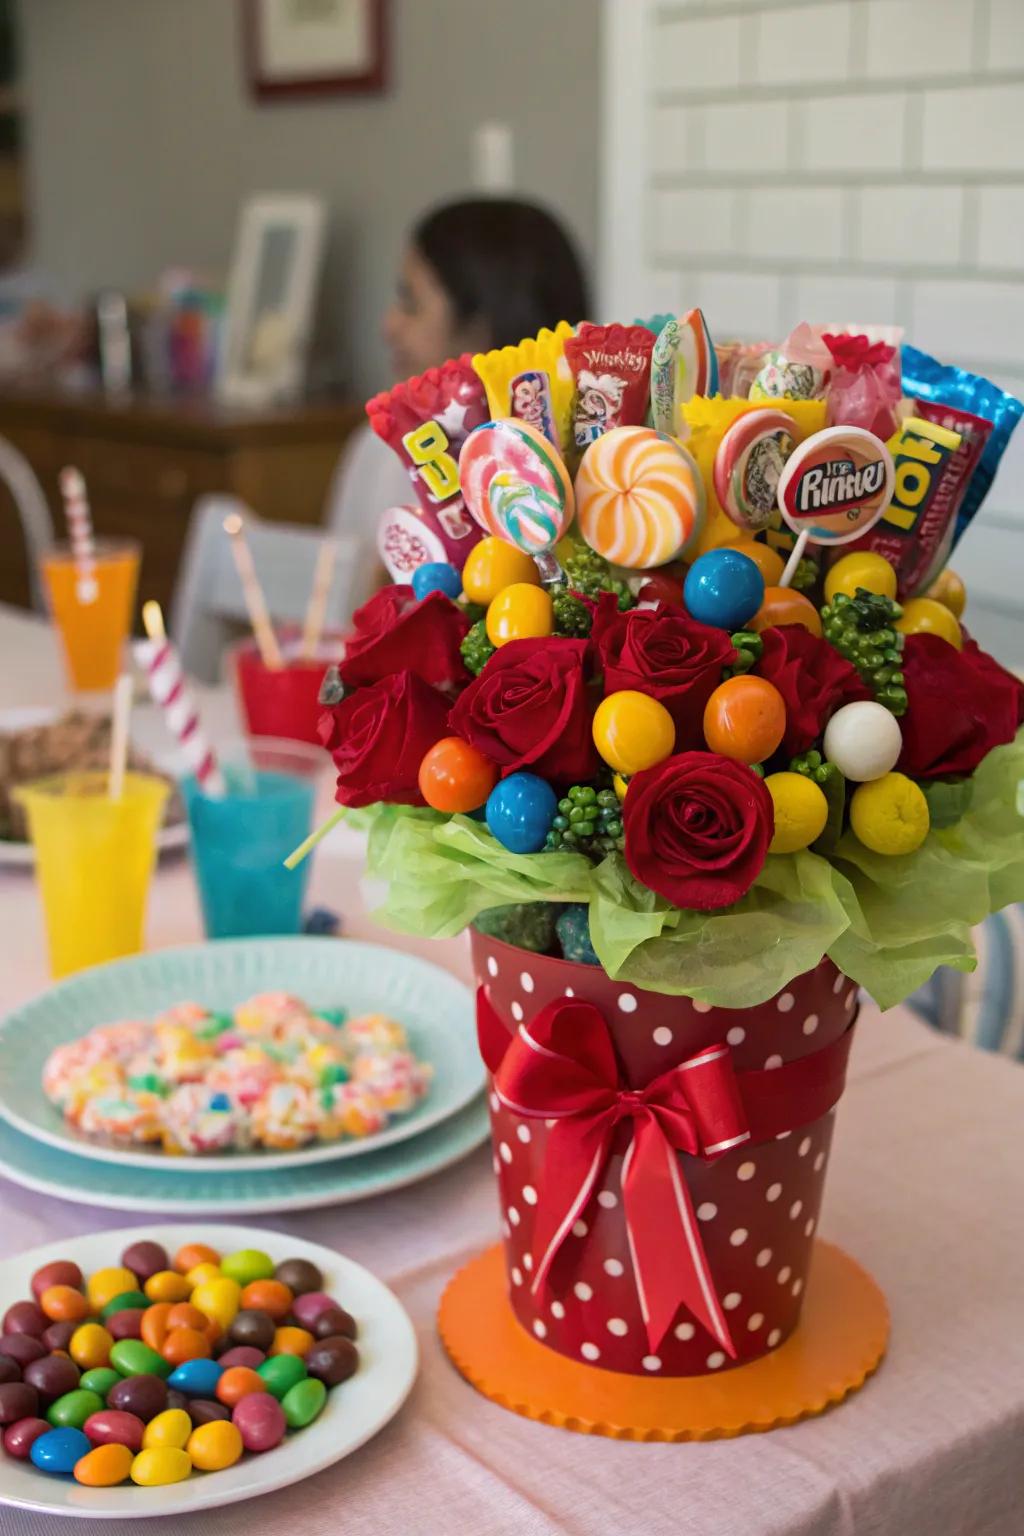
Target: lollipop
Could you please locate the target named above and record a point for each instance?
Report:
(748, 466)
(683, 364)
(639, 497)
(517, 488)
(835, 486)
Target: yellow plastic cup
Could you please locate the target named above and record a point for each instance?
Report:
(94, 862)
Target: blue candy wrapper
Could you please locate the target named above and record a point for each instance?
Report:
(924, 378)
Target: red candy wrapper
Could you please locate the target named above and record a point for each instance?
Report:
(866, 388)
(426, 421)
(612, 368)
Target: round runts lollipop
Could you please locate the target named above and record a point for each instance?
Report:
(748, 465)
(515, 485)
(639, 497)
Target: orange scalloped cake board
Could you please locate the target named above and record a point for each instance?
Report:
(843, 1332)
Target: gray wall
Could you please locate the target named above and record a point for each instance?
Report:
(143, 139)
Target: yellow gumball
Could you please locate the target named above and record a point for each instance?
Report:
(203, 1272)
(890, 815)
(864, 569)
(215, 1446)
(633, 731)
(801, 811)
(105, 1284)
(520, 612)
(172, 1427)
(949, 590)
(620, 785)
(494, 564)
(160, 1464)
(924, 616)
(219, 1299)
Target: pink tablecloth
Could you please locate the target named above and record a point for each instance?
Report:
(926, 1188)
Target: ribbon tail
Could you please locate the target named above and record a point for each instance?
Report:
(669, 1261)
(576, 1156)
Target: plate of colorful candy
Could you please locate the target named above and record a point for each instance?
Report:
(158, 1371)
(241, 1056)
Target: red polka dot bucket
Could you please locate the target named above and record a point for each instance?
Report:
(752, 1207)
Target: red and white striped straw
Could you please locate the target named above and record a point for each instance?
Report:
(83, 544)
(159, 660)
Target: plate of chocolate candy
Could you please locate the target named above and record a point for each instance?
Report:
(163, 1370)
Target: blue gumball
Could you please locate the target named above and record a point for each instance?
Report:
(723, 588)
(436, 576)
(520, 810)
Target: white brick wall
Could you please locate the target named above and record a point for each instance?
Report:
(845, 160)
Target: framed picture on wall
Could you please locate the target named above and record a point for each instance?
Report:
(315, 47)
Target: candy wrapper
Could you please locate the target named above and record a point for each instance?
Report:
(799, 369)
(739, 363)
(533, 383)
(704, 423)
(683, 364)
(953, 392)
(654, 323)
(866, 389)
(611, 366)
(426, 420)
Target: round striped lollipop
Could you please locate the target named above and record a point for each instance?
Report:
(639, 497)
(515, 485)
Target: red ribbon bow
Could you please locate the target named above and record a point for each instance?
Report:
(562, 1067)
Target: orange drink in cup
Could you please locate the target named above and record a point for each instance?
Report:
(94, 861)
(93, 633)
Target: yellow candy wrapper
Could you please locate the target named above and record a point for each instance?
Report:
(704, 421)
(533, 383)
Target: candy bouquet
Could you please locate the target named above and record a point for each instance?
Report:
(671, 702)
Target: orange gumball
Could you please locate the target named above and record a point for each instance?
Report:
(183, 1344)
(768, 561)
(292, 1341)
(745, 719)
(192, 1254)
(784, 606)
(153, 1328)
(237, 1382)
(270, 1296)
(184, 1315)
(64, 1304)
(456, 777)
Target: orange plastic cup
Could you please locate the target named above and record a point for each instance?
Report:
(93, 634)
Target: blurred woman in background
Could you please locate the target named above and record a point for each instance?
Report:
(476, 274)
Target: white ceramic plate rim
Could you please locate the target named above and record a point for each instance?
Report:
(66, 1140)
(354, 1412)
(86, 1194)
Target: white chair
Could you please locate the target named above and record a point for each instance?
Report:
(31, 505)
(208, 607)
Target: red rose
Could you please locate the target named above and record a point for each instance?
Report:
(697, 829)
(812, 677)
(666, 654)
(530, 708)
(394, 632)
(378, 736)
(961, 704)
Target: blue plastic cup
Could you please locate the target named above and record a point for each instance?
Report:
(240, 840)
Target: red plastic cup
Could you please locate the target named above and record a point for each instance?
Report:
(283, 702)
(757, 1204)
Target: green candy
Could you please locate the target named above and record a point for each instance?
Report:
(72, 1410)
(246, 1265)
(124, 1303)
(148, 1082)
(335, 1016)
(335, 1073)
(133, 1358)
(303, 1402)
(100, 1380)
(215, 1025)
(281, 1373)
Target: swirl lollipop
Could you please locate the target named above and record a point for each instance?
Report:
(639, 497)
(748, 465)
(517, 488)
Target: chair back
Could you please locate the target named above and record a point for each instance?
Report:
(33, 510)
(208, 608)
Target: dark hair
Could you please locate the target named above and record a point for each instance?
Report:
(506, 262)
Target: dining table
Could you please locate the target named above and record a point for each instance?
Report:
(925, 1190)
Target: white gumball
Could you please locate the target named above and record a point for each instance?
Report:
(863, 740)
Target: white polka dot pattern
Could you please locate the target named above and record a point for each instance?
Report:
(557, 1310)
(590, 1352)
(540, 1328)
(618, 1326)
(627, 1003)
(746, 1171)
(707, 1211)
(526, 981)
(523, 1132)
(608, 1199)
(662, 1036)
(614, 1267)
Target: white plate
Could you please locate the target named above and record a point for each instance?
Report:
(435, 1008)
(353, 1414)
(22, 855)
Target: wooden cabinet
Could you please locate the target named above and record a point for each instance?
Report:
(146, 463)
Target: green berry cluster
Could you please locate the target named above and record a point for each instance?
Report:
(572, 617)
(589, 821)
(749, 647)
(862, 629)
(476, 648)
(805, 576)
(589, 573)
(832, 784)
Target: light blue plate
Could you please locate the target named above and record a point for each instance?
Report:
(435, 1008)
(162, 1189)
